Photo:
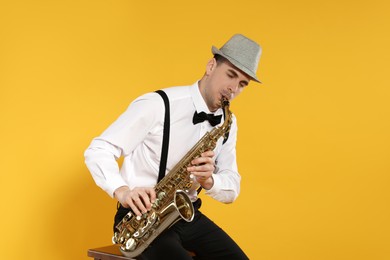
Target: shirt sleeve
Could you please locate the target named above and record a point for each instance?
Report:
(227, 180)
(120, 139)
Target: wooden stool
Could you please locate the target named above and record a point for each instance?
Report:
(111, 253)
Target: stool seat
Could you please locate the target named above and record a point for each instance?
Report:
(112, 252)
(107, 253)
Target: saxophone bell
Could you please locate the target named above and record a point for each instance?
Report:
(134, 243)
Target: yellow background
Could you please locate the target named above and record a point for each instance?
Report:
(313, 145)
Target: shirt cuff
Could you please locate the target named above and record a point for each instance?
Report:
(115, 183)
(216, 186)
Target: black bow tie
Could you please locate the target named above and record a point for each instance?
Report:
(202, 116)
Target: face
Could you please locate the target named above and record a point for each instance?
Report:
(221, 80)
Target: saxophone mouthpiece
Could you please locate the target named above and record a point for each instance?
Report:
(224, 102)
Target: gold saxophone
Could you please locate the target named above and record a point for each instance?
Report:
(135, 233)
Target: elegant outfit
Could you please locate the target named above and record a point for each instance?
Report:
(137, 137)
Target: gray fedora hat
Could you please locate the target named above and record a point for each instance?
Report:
(242, 52)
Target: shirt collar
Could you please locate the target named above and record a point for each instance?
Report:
(199, 103)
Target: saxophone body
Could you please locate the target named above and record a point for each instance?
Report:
(135, 233)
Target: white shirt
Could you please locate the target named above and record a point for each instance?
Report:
(137, 136)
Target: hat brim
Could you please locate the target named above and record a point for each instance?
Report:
(237, 64)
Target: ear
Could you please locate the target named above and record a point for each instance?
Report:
(211, 66)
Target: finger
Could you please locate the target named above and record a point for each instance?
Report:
(145, 199)
(137, 202)
(202, 160)
(201, 175)
(203, 168)
(152, 194)
(198, 171)
(134, 208)
(208, 154)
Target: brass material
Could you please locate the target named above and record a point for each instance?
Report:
(172, 203)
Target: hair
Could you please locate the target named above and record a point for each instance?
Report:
(220, 59)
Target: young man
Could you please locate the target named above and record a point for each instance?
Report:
(137, 136)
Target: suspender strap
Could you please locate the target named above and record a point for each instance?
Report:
(165, 143)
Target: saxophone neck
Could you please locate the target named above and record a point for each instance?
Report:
(224, 129)
(227, 114)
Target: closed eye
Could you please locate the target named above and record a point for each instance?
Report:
(232, 74)
(244, 83)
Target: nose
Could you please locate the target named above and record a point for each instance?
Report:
(233, 88)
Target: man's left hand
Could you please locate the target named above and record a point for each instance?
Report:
(202, 169)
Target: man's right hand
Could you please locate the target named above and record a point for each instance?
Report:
(139, 199)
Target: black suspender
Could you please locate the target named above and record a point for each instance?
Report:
(165, 143)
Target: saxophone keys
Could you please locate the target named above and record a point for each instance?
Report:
(127, 216)
(115, 238)
(130, 244)
(153, 216)
(161, 195)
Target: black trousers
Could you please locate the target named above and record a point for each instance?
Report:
(201, 236)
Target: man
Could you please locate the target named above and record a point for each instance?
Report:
(137, 136)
